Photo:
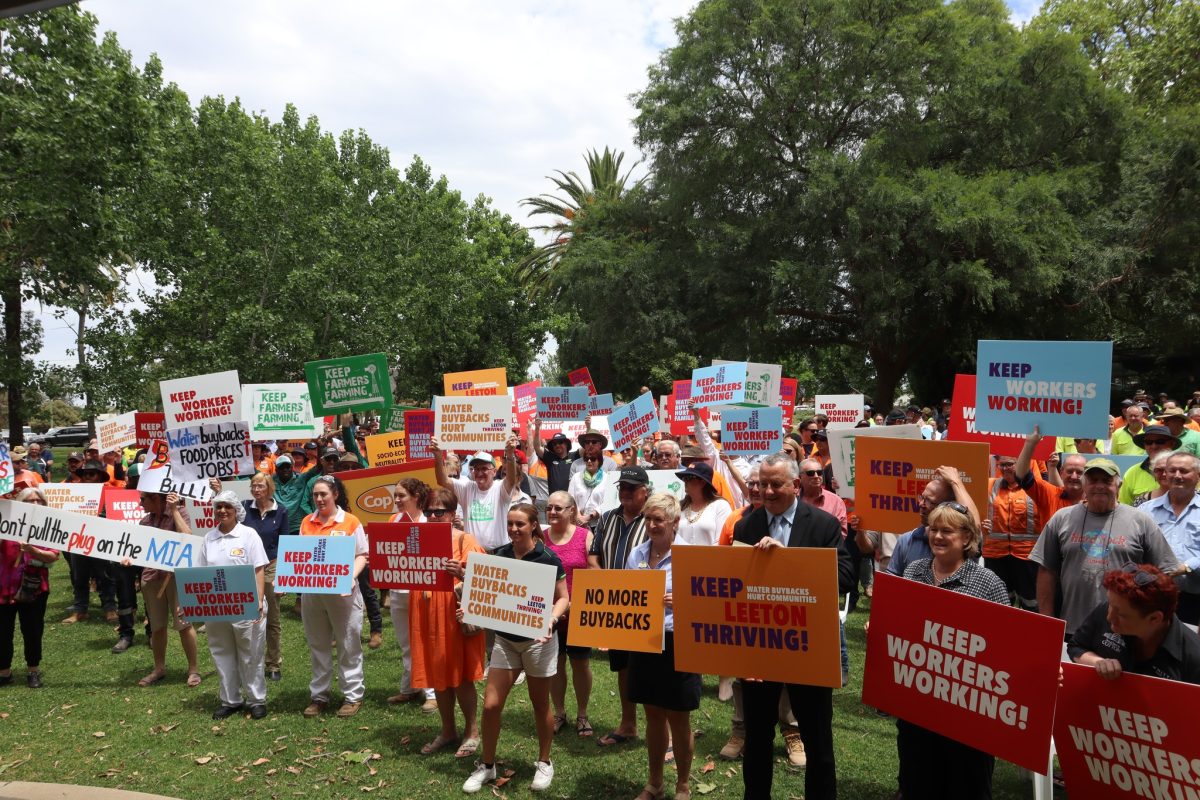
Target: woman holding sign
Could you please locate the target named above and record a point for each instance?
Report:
(931, 765)
(512, 654)
(669, 697)
(409, 496)
(571, 542)
(24, 590)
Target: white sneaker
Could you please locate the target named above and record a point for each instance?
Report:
(543, 776)
(479, 777)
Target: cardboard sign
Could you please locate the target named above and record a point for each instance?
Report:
(722, 385)
(7, 471)
(762, 382)
(280, 411)
(97, 537)
(962, 426)
(216, 397)
(621, 609)
(582, 377)
(476, 382)
(122, 505)
(787, 399)
(315, 564)
(392, 419)
(353, 383)
(411, 555)
(508, 595)
(572, 430)
(678, 417)
(978, 672)
(563, 403)
(843, 410)
(525, 403)
(218, 594)
(661, 480)
(1134, 737)
(82, 498)
(159, 480)
(386, 449)
(1060, 386)
(370, 490)
(472, 423)
(842, 451)
(220, 450)
(418, 429)
(751, 431)
(601, 405)
(633, 421)
(892, 473)
(754, 614)
(150, 425)
(117, 433)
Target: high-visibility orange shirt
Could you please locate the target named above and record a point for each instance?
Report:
(1048, 497)
(726, 537)
(1016, 521)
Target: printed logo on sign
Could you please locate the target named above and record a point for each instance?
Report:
(412, 542)
(219, 578)
(378, 499)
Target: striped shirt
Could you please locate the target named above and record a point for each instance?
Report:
(614, 540)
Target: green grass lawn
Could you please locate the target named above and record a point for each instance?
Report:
(91, 725)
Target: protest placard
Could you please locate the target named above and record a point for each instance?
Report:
(978, 672)
(562, 403)
(101, 538)
(619, 609)
(216, 397)
(200, 514)
(217, 450)
(633, 421)
(721, 385)
(1132, 737)
(571, 430)
(661, 480)
(122, 505)
(843, 410)
(392, 419)
(525, 403)
(418, 429)
(1060, 386)
(82, 498)
(962, 427)
(315, 564)
(386, 449)
(116, 433)
(476, 382)
(218, 594)
(508, 595)
(280, 411)
(369, 491)
(582, 377)
(751, 431)
(787, 399)
(679, 417)
(151, 425)
(892, 473)
(842, 450)
(601, 405)
(472, 423)
(762, 382)
(159, 480)
(6, 469)
(411, 555)
(352, 383)
(771, 615)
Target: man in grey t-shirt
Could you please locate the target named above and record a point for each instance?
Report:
(1081, 543)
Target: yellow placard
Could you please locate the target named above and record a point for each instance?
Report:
(370, 490)
(386, 449)
(476, 382)
(890, 474)
(621, 609)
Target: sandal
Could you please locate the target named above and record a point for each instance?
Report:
(654, 792)
(583, 727)
(467, 748)
(151, 679)
(194, 679)
(560, 722)
(614, 738)
(669, 758)
(437, 744)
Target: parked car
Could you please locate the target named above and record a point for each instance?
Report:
(66, 436)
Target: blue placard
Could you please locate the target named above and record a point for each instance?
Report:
(562, 403)
(315, 564)
(633, 421)
(719, 385)
(751, 431)
(1062, 387)
(1124, 463)
(601, 404)
(217, 594)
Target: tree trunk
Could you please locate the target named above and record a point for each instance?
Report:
(84, 378)
(889, 371)
(13, 372)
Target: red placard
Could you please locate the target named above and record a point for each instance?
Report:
(410, 555)
(418, 429)
(122, 505)
(582, 377)
(972, 670)
(524, 404)
(1127, 738)
(679, 417)
(962, 425)
(787, 399)
(150, 425)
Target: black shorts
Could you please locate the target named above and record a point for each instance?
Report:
(654, 681)
(572, 651)
(618, 660)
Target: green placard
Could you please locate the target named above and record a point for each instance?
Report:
(353, 383)
(393, 418)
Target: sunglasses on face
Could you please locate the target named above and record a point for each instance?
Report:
(1156, 442)
(556, 508)
(436, 512)
(812, 473)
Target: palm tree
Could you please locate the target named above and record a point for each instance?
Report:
(605, 182)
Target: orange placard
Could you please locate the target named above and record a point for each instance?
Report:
(890, 474)
(621, 609)
(475, 382)
(370, 490)
(386, 449)
(750, 613)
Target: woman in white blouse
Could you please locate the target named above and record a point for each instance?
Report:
(703, 511)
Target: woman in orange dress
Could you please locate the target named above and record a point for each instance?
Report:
(442, 657)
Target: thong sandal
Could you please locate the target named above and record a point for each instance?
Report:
(467, 748)
(151, 679)
(560, 722)
(437, 744)
(582, 727)
(194, 679)
(654, 792)
(614, 738)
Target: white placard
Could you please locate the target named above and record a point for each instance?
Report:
(843, 410)
(841, 450)
(661, 480)
(280, 411)
(219, 450)
(82, 498)
(116, 433)
(199, 399)
(762, 382)
(508, 594)
(473, 422)
(158, 480)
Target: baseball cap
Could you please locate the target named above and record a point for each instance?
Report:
(92, 465)
(482, 455)
(329, 452)
(76, 456)
(283, 459)
(310, 446)
(559, 438)
(634, 476)
(1104, 465)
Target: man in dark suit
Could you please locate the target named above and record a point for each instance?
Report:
(784, 520)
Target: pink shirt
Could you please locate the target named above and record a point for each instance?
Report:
(830, 503)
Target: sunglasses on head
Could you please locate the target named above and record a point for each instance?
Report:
(953, 506)
(1141, 577)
